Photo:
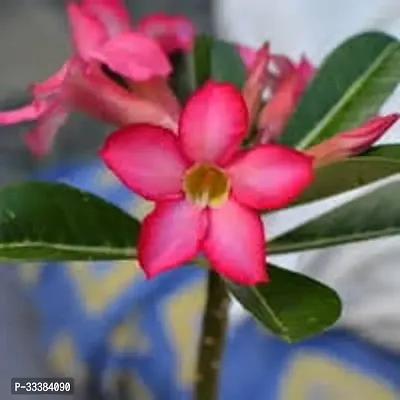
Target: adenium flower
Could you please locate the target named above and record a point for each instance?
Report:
(352, 142)
(290, 83)
(286, 86)
(103, 37)
(206, 189)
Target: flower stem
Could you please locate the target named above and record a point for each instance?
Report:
(212, 339)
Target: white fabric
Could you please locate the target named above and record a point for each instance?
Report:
(366, 275)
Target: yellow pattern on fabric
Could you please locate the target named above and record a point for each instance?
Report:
(62, 356)
(97, 292)
(183, 311)
(127, 336)
(331, 380)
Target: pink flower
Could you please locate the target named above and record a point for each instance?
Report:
(206, 189)
(172, 32)
(286, 85)
(102, 34)
(257, 80)
(287, 89)
(352, 142)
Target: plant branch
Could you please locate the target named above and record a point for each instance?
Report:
(212, 339)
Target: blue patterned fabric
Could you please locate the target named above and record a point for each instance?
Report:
(105, 320)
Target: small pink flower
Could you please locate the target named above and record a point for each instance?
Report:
(102, 34)
(206, 189)
(352, 142)
(289, 85)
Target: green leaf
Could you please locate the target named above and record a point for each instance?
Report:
(350, 86)
(373, 215)
(200, 57)
(216, 59)
(378, 163)
(54, 221)
(291, 305)
(226, 64)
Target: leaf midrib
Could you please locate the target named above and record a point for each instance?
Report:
(353, 90)
(127, 252)
(329, 241)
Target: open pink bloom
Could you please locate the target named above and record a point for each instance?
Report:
(102, 34)
(290, 83)
(352, 142)
(206, 189)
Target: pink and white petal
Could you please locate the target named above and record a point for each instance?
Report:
(87, 31)
(270, 176)
(157, 91)
(234, 243)
(213, 123)
(40, 139)
(134, 56)
(146, 158)
(52, 84)
(247, 54)
(170, 236)
(90, 91)
(112, 13)
(29, 112)
(173, 32)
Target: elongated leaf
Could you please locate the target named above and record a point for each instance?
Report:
(53, 221)
(374, 215)
(350, 86)
(216, 59)
(291, 305)
(377, 163)
(200, 58)
(226, 64)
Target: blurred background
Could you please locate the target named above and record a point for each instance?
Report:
(34, 42)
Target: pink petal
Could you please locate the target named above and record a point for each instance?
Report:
(213, 123)
(285, 66)
(112, 14)
(87, 32)
(41, 138)
(270, 176)
(234, 244)
(306, 70)
(172, 32)
(247, 54)
(170, 236)
(134, 56)
(52, 84)
(352, 142)
(89, 90)
(29, 112)
(256, 81)
(276, 113)
(146, 158)
(158, 91)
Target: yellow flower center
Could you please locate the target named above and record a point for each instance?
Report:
(206, 185)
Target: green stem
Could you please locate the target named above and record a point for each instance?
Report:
(212, 339)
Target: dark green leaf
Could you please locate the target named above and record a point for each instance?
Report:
(350, 86)
(201, 60)
(291, 305)
(226, 64)
(373, 215)
(180, 79)
(216, 59)
(54, 221)
(377, 163)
